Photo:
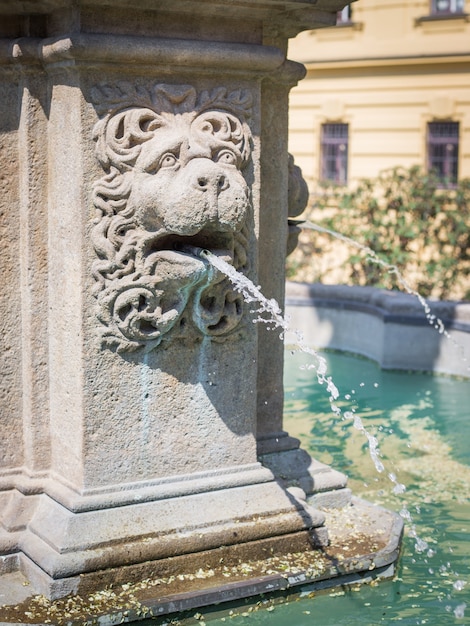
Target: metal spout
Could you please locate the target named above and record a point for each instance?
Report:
(192, 250)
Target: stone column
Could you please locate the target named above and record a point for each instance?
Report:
(272, 253)
(276, 448)
(132, 138)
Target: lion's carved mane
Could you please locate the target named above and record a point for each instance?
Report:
(175, 164)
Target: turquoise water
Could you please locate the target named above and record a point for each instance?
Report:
(423, 426)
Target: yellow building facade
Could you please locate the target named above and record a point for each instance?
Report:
(388, 86)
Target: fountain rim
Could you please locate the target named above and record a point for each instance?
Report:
(349, 318)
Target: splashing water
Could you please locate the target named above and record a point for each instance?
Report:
(271, 308)
(421, 423)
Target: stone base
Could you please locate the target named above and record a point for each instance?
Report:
(58, 549)
(294, 467)
(364, 544)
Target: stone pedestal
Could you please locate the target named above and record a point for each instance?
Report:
(135, 383)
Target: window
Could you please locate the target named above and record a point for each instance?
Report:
(443, 150)
(334, 153)
(446, 7)
(344, 16)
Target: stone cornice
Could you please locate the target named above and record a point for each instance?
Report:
(179, 52)
(132, 51)
(283, 18)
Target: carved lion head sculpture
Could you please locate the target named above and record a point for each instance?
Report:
(175, 165)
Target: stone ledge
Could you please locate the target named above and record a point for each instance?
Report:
(389, 327)
(389, 305)
(132, 49)
(279, 18)
(132, 493)
(64, 544)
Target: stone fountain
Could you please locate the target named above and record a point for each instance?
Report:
(141, 407)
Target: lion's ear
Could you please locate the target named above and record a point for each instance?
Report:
(119, 136)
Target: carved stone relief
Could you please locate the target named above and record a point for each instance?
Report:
(175, 164)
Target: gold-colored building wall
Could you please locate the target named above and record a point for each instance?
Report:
(387, 73)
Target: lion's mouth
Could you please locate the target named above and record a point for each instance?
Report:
(173, 245)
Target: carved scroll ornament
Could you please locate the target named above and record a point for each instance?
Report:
(174, 163)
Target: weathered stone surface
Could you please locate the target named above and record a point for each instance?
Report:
(135, 382)
(365, 544)
(132, 432)
(10, 267)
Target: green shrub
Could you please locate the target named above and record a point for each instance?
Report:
(406, 219)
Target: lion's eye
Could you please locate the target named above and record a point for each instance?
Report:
(227, 157)
(168, 160)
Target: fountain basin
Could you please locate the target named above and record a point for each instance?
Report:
(389, 327)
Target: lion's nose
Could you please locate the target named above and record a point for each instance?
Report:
(214, 182)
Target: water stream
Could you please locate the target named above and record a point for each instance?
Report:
(274, 318)
(269, 312)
